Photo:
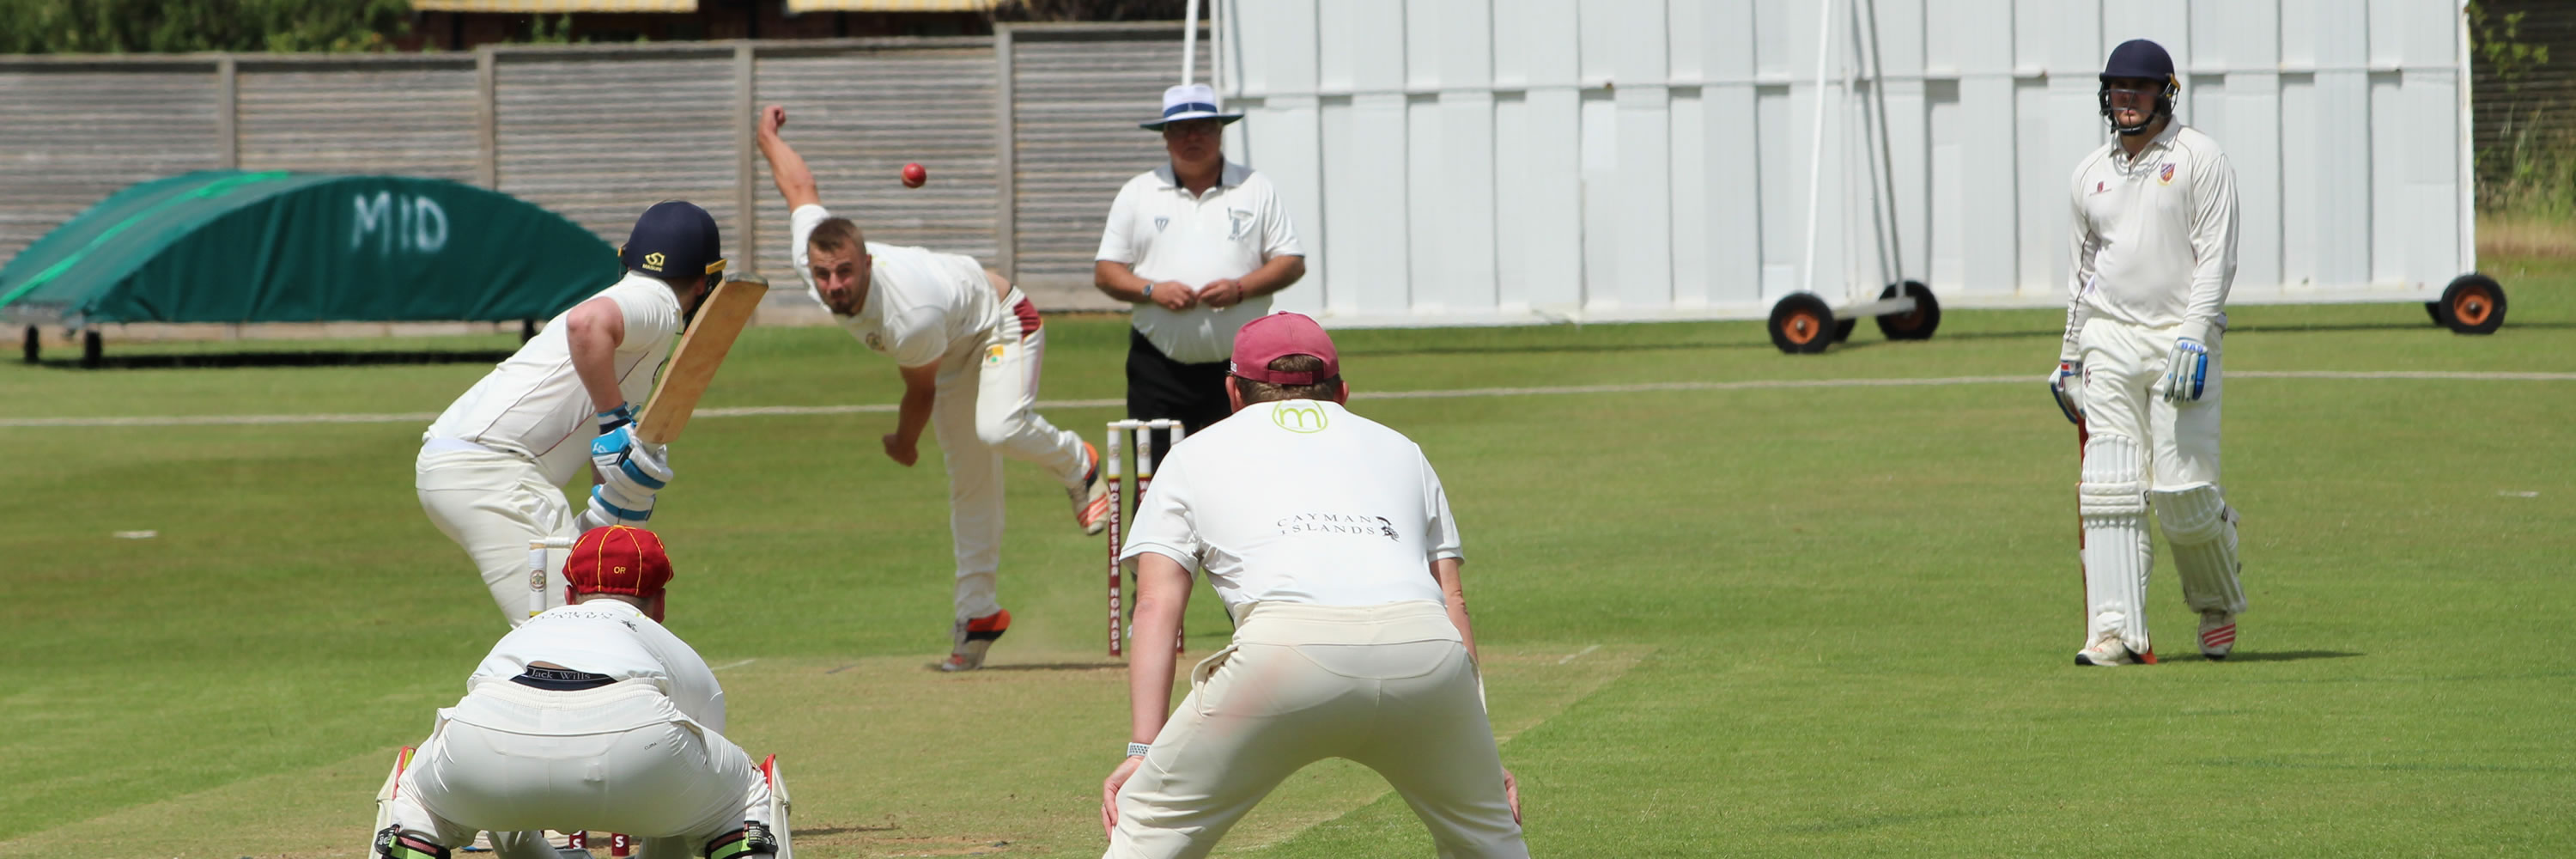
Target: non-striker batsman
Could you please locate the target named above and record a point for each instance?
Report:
(2154, 251)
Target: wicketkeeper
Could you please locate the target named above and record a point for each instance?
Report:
(1330, 540)
(2154, 252)
(492, 467)
(590, 714)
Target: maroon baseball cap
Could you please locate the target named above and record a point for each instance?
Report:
(618, 560)
(1277, 336)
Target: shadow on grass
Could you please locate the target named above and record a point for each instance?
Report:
(2283, 655)
(836, 830)
(219, 360)
(1059, 666)
(1547, 348)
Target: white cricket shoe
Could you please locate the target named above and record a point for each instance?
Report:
(2217, 634)
(2108, 650)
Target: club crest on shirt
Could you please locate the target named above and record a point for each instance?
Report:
(1161, 222)
(1241, 223)
(2165, 176)
(2099, 187)
(993, 355)
(876, 341)
(1298, 416)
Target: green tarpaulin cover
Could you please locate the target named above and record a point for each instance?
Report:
(236, 246)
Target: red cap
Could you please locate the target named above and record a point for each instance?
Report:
(1277, 336)
(618, 560)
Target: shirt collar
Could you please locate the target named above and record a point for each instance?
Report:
(1228, 175)
(2163, 141)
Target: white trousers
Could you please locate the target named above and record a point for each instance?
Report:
(1390, 687)
(985, 408)
(2144, 453)
(491, 504)
(513, 761)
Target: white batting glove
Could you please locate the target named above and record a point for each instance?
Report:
(2186, 372)
(634, 467)
(611, 507)
(2066, 386)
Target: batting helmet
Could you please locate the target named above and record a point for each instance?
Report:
(673, 240)
(2139, 58)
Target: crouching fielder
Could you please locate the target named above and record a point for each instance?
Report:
(1330, 540)
(2154, 252)
(492, 467)
(593, 715)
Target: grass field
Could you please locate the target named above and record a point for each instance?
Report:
(1745, 607)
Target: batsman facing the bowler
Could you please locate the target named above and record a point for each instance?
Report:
(2154, 252)
(491, 467)
(591, 714)
(969, 347)
(1331, 542)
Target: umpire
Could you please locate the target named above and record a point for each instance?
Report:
(1197, 245)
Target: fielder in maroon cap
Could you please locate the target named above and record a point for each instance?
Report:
(1330, 540)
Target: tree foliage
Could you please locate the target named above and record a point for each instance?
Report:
(1096, 10)
(178, 26)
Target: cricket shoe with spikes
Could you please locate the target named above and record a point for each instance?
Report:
(2217, 634)
(2109, 650)
(1091, 499)
(972, 638)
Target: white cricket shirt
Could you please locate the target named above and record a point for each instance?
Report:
(534, 406)
(1300, 501)
(1164, 232)
(2155, 236)
(920, 302)
(615, 639)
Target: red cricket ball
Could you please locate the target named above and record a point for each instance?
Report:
(914, 176)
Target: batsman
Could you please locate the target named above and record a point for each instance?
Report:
(491, 468)
(2154, 251)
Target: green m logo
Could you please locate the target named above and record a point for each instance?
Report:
(1298, 416)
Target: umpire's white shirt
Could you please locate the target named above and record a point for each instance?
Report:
(612, 638)
(2154, 238)
(1300, 501)
(532, 404)
(920, 302)
(1163, 232)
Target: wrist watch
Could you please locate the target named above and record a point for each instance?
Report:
(1149, 291)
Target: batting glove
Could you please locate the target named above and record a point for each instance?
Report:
(607, 508)
(2186, 372)
(2065, 385)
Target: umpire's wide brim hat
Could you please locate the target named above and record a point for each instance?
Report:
(1189, 101)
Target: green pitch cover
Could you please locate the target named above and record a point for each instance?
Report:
(276, 246)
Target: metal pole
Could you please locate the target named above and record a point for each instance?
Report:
(487, 157)
(228, 111)
(1006, 186)
(1190, 45)
(746, 203)
(1816, 149)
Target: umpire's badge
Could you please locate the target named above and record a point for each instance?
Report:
(2165, 177)
(1161, 222)
(653, 261)
(1241, 223)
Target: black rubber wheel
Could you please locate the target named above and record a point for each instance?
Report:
(93, 352)
(1917, 324)
(34, 346)
(1802, 324)
(527, 330)
(1843, 329)
(2434, 309)
(2473, 304)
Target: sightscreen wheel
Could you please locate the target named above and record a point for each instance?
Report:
(2473, 304)
(1917, 324)
(35, 345)
(1802, 324)
(2434, 309)
(1843, 329)
(93, 352)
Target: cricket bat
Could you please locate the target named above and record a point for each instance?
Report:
(693, 363)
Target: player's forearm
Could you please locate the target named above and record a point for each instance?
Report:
(1162, 589)
(1279, 273)
(1118, 280)
(912, 414)
(1453, 596)
(787, 169)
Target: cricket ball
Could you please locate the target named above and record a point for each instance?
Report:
(914, 176)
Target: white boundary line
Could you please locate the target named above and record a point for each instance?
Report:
(1553, 390)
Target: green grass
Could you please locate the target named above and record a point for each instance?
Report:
(1829, 621)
